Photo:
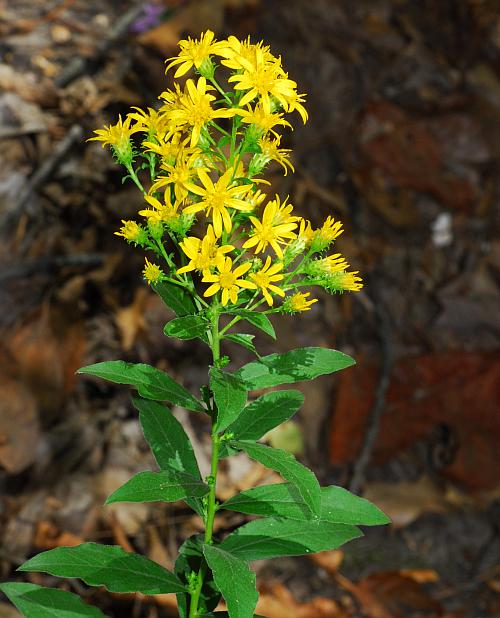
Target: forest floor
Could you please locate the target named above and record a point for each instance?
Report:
(403, 146)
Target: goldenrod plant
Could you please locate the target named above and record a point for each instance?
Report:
(222, 253)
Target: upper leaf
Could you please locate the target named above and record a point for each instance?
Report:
(244, 340)
(175, 297)
(187, 327)
(165, 486)
(290, 469)
(272, 538)
(265, 413)
(106, 565)
(283, 500)
(230, 395)
(234, 579)
(37, 602)
(293, 366)
(151, 383)
(168, 441)
(257, 319)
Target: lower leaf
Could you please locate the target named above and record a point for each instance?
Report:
(106, 565)
(235, 581)
(37, 602)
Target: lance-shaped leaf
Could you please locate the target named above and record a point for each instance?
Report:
(272, 538)
(284, 500)
(106, 565)
(189, 562)
(230, 395)
(259, 320)
(187, 327)
(168, 441)
(165, 486)
(235, 581)
(290, 469)
(175, 297)
(294, 366)
(246, 341)
(265, 413)
(37, 602)
(151, 383)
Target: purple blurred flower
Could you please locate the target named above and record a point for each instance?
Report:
(150, 18)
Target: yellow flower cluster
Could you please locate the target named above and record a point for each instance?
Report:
(205, 148)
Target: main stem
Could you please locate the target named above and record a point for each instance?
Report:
(212, 479)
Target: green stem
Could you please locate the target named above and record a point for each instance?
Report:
(211, 507)
(134, 177)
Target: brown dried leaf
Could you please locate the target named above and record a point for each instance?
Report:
(276, 601)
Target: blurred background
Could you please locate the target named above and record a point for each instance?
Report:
(403, 146)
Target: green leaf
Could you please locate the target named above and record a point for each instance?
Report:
(37, 602)
(234, 579)
(290, 469)
(187, 327)
(151, 383)
(272, 538)
(265, 413)
(245, 341)
(283, 500)
(175, 297)
(293, 366)
(106, 565)
(168, 441)
(230, 395)
(190, 560)
(165, 486)
(257, 319)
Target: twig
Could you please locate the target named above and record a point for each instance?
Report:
(78, 66)
(42, 174)
(373, 421)
(47, 265)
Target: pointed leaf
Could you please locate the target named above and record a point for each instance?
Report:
(259, 320)
(290, 469)
(151, 383)
(175, 297)
(187, 327)
(230, 395)
(283, 500)
(165, 486)
(294, 366)
(168, 441)
(106, 565)
(272, 538)
(265, 413)
(246, 341)
(37, 602)
(190, 560)
(234, 579)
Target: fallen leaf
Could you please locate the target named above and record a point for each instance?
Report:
(130, 320)
(276, 601)
(456, 391)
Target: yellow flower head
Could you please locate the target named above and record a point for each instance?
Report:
(152, 273)
(275, 229)
(240, 55)
(164, 212)
(348, 281)
(195, 109)
(326, 234)
(194, 53)
(270, 151)
(333, 264)
(299, 302)
(228, 280)
(262, 118)
(131, 231)
(203, 254)
(118, 137)
(265, 279)
(217, 197)
(151, 121)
